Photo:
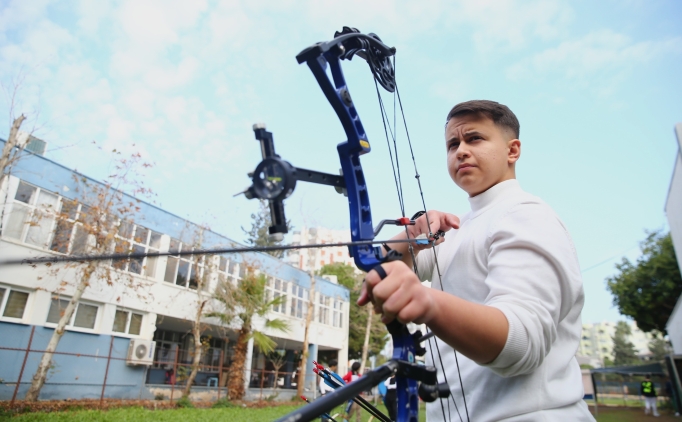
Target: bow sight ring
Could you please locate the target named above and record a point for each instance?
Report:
(274, 179)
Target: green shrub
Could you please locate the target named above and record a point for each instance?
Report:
(184, 402)
(159, 396)
(223, 403)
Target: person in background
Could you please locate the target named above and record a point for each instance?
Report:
(649, 392)
(352, 407)
(324, 388)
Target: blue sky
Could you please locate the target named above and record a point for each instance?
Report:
(595, 85)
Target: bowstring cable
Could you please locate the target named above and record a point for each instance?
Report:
(435, 255)
(387, 129)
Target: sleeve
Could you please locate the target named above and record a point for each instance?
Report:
(534, 279)
(347, 378)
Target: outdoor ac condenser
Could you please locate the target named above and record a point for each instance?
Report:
(141, 352)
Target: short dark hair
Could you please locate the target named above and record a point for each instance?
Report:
(333, 362)
(355, 367)
(500, 114)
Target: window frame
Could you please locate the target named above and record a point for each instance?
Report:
(32, 208)
(129, 319)
(69, 325)
(192, 264)
(5, 298)
(130, 241)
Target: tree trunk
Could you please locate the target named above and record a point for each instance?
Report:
(300, 385)
(235, 385)
(365, 346)
(198, 349)
(12, 141)
(46, 361)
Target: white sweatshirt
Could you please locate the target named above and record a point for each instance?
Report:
(512, 252)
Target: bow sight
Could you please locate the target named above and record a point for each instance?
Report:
(275, 179)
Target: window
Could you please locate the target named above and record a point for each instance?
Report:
(185, 271)
(12, 303)
(299, 301)
(70, 235)
(127, 322)
(85, 315)
(226, 270)
(338, 313)
(323, 309)
(275, 288)
(137, 239)
(32, 215)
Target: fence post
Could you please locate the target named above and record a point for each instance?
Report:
(220, 371)
(106, 372)
(23, 365)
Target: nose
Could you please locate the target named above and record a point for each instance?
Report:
(463, 151)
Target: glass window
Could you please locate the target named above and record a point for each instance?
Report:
(85, 316)
(57, 308)
(15, 304)
(17, 220)
(135, 324)
(127, 322)
(25, 193)
(120, 321)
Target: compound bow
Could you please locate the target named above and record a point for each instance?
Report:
(275, 179)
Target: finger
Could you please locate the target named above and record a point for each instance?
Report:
(452, 221)
(398, 299)
(364, 295)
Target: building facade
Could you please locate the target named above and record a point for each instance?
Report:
(596, 343)
(148, 302)
(315, 259)
(673, 211)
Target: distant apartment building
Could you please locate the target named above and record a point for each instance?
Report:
(147, 304)
(597, 341)
(315, 259)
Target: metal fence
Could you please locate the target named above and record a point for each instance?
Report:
(167, 375)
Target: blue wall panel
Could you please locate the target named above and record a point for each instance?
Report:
(72, 376)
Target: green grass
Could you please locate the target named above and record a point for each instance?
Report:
(181, 415)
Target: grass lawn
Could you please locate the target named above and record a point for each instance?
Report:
(266, 414)
(619, 414)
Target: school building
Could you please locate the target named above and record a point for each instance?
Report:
(133, 325)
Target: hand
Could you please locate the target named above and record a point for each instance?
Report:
(400, 295)
(439, 221)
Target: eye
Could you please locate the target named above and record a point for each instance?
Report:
(453, 145)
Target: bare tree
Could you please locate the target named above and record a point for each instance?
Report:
(202, 282)
(300, 386)
(97, 225)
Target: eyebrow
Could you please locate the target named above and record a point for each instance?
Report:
(466, 135)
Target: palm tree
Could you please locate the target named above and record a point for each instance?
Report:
(241, 303)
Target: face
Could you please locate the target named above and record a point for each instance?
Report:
(480, 154)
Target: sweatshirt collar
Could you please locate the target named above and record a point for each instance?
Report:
(494, 194)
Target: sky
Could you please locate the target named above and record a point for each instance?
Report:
(595, 85)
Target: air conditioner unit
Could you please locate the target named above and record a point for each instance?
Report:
(141, 352)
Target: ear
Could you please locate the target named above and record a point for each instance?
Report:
(513, 151)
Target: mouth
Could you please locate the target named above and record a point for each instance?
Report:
(464, 167)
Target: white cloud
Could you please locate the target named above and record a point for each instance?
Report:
(600, 52)
(497, 25)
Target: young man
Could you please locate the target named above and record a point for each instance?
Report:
(648, 390)
(511, 294)
(324, 388)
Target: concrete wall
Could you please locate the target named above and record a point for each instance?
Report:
(673, 211)
(70, 376)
